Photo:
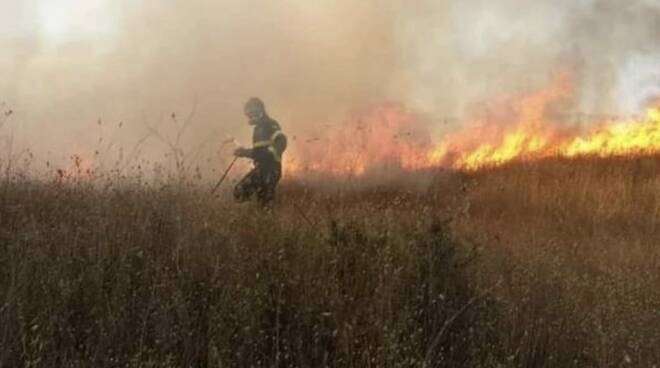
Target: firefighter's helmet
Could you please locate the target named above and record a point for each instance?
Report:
(255, 109)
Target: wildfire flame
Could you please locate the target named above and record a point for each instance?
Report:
(620, 138)
(388, 136)
(505, 130)
(80, 166)
(518, 128)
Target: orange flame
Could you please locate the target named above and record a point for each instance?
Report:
(527, 131)
(387, 136)
(81, 166)
(619, 138)
(509, 129)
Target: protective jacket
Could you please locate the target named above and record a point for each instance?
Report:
(268, 143)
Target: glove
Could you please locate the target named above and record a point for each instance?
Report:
(242, 152)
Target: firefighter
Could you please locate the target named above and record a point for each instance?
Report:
(268, 145)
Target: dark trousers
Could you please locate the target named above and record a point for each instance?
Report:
(260, 182)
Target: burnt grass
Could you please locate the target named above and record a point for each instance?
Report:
(477, 270)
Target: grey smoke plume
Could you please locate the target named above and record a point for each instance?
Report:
(478, 48)
(65, 66)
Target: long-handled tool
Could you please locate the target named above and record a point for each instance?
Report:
(224, 175)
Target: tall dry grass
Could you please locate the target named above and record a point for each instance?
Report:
(577, 245)
(129, 275)
(548, 264)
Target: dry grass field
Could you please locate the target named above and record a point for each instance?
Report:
(546, 264)
(576, 243)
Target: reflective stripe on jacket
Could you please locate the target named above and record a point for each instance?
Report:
(268, 142)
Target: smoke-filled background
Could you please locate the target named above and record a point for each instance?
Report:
(66, 64)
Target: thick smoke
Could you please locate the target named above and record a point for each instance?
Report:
(467, 51)
(67, 66)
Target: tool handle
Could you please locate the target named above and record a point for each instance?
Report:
(224, 175)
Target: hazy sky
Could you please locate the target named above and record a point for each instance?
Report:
(68, 63)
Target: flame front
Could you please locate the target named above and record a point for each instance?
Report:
(81, 165)
(505, 130)
(385, 137)
(620, 138)
(521, 128)
(528, 128)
